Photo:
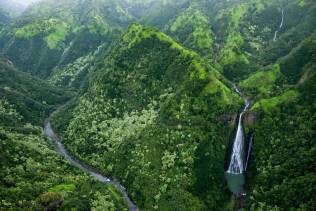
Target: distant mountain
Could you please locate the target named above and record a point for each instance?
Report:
(16, 7)
(237, 35)
(53, 33)
(242, 36)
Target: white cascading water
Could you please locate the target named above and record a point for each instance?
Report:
(280, 27)
(236, 165)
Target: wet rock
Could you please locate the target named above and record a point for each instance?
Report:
(250, 118)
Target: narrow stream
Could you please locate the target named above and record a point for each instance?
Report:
(280, 27)
(237, 165)
(51, 135)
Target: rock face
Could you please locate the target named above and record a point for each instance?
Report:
(228, 118)
(250, 118)
(8, 62)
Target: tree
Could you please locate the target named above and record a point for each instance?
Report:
(102, 203)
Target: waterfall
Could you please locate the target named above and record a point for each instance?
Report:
(249, 150)
(280, 27)
(236, 165)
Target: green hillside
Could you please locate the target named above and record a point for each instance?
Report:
(284, 145)
(33, 176)
(152, 92)
(153, 122)
(32, 97)
(55, 33)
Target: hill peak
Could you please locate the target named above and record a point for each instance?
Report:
(136, 33)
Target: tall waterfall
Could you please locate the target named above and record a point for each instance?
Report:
(280, 27)
(236, 165)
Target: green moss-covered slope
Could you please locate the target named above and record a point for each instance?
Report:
(193, 29)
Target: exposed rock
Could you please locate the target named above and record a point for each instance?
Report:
(250, 118)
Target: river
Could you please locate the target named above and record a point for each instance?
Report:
(51, 135)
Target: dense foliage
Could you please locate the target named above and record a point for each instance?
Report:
(35, 177)
(32, 97)
(55, 33)
(32, 175)
(284, 148)
(154, 105)
(155, 124)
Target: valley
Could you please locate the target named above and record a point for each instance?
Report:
(158, 105)
(61, 149)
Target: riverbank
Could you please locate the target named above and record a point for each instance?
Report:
(51, 135)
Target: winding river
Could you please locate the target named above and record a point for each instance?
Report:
(238, 161)
(51, 135)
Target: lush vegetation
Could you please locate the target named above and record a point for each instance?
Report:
(284, 148)
(151, 102)
(55, 33)
(193, 29)
(32, 97)
(33, 176)
(285, 152)
(155, 124)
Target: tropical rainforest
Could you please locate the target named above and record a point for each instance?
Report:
(144, 96)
